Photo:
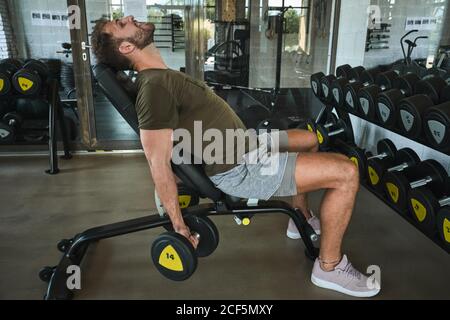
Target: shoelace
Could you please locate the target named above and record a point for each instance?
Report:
(351, 272)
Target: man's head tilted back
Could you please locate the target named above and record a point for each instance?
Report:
(117, 42)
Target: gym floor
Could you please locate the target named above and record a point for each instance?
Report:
(254, 262)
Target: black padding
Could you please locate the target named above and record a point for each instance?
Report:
(113, 90)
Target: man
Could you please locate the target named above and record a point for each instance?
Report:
(169, 100)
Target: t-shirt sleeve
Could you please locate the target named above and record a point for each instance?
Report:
(156, 108)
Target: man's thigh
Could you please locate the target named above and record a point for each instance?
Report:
(298, 140)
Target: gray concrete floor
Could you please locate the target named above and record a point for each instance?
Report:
(254, 262)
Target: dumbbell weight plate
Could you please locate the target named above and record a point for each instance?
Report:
(355, 73)
(209, 235)
(325, 83)
(356, 155)
(386, 146)
(343, 71)
(386, 80)
(174, 256)
(386, 110)
(351, 96)
(410, 114)
(7, 134)
(423, 206)
(398, 184)
(337, 91)
(368, 100)
(432, 87)
(315, 84)
(407, 83)
(445, 94)
(437, 126)
(443, 225)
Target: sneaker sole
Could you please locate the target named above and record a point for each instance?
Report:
(296, 236)
(333, 286)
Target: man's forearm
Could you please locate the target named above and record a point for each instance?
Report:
(166, 187)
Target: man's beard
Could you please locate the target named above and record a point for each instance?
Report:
(144, 36)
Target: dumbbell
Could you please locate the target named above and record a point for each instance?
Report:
(8, 67)
(388, 102)
(173, 254)
(11, 122)
(432, 87)
(377, 164)
(436, 125)
(330, 120)
(337, 86)
(30, 79)
(424, 205)
(340, 130)
(351, 89)
(368, 96)
(354, 153)
(343, 73)
(377, 168)
(397, 184)
(443, 225)
(315, 84)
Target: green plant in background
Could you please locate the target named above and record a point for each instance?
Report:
(117, 13)
(292, 21)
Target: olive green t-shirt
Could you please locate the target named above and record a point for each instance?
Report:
(169, 99)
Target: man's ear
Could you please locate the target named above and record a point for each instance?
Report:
(126, 47)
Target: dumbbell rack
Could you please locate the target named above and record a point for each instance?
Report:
(56, 117)
(405, 215)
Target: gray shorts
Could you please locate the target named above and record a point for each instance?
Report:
(272, 175)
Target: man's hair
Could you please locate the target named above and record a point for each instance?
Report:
(106, 47)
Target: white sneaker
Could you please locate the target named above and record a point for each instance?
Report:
(292, 231)
(345, 279)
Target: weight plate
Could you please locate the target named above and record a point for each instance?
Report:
(356, 155)
(387, 147)
(174, 256)
(432, 87)
(423, 207)
(315, 84)
(375, 171)
(443, 225)
(407, 156)
(407, 83)
(209, 235)
(343, 71)
(396, 186)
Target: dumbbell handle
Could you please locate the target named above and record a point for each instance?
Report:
(378, 156)
(421, 182)
(400, 167)
(333, 133)
(444, 202)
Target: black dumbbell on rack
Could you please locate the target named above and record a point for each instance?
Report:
(338, 85)
(9, 126)
(443, 225)
(397, 184)
(173, 254)
(412, 110)
(367, 77)
(330, 120)
(30, 79)
(8, 67)
(341, 130)
(368, 96)
(378, 166)
(437, 123)
(424, 204)
(321, 84)
(386, 110)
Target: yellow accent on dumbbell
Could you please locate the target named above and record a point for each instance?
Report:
(2, 83)
(419, 209)
(446, 226)
(310, 129)
(319, 137)
(374, 178)
(184, 201)
(246, 221)
(25, 84)
(170, 259)
(393, 191)
(355, 161)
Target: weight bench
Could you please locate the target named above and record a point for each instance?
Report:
(192, 176)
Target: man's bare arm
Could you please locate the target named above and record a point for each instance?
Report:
(157, 146)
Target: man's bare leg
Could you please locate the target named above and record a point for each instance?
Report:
(340, 177)
(302, 141)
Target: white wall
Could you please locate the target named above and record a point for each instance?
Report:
(352, 32)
